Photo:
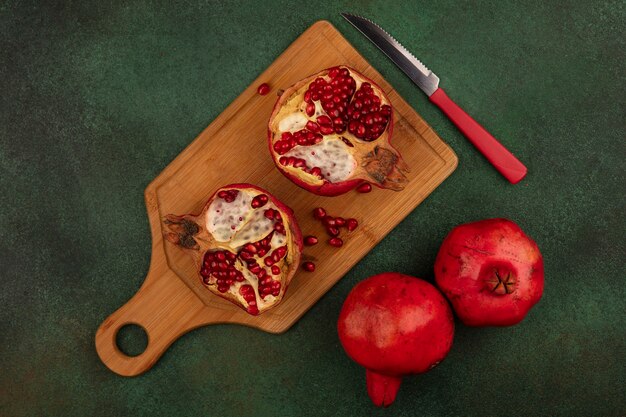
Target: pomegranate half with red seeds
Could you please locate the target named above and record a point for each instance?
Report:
(331, 132)
(246, 245)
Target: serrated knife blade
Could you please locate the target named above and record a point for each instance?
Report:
(500, 157)
(413, 67)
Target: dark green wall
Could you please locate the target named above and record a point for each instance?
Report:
(97, 97)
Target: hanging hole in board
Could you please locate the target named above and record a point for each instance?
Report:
(132, 339)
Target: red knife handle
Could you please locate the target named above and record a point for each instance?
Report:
(500, 157)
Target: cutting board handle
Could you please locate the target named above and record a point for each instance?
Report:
(164, 307)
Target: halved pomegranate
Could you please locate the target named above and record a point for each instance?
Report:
(331, 132)
(246, 245)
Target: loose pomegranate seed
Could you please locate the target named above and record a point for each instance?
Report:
(336, 242)
(263, 89)
(310, 240)
(319, 213)
(352, 224)
(332, 231)
(329, 221)
(308, 266)
(364, 188)
(340, 221)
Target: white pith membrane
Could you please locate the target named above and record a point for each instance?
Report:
(232, 226)
(331, 156)
(333, 159)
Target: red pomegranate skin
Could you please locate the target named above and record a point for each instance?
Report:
(394, 325)
(491, 272)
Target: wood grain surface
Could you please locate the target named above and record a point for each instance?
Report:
(233, 149)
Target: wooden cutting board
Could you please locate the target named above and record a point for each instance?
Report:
(233, 149)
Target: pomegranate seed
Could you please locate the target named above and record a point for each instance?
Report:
(316, 171)
(329, 221)
(319, 213)
(259, 201)
(263, 89)
(308, 266)
(347, 142)
(269, 213)
(312, 126)
(340, 221)
(275, 269)
(366, 187)
(333, 231)
(327, 130)
(310, 240)
(324, 121)
(336, 242)
(268, 261)
(228, 195)
(333, 72)
(352, 224)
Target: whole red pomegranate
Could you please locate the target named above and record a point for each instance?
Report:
(246, 245)
(394, 325)
(331, 132)
(491, 272)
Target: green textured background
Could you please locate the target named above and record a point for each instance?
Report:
(96, 98)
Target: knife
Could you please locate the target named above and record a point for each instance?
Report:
(500, 157)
